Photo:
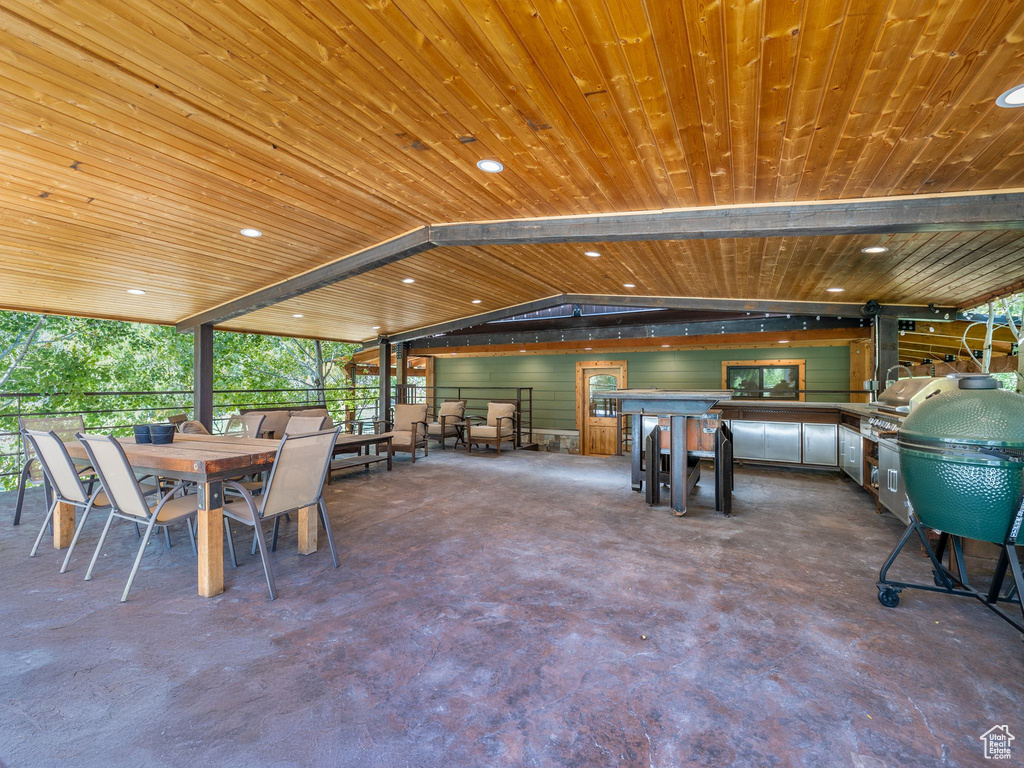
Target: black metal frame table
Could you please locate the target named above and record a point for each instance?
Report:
(676, 405)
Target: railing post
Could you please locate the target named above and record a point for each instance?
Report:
(402, 372)
(519, 415)
(202, 376)
(384, 379)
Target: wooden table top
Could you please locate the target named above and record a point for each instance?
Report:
(194, 457)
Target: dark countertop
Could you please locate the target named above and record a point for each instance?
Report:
(857, 409)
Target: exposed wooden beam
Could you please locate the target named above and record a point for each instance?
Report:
(919, 213)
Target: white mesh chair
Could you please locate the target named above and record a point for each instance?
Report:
(128, 502)
(304, 424)
(65, 428)
(245, 425)
(295, 481)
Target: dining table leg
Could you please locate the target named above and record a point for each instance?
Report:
(308, 528)
(63, 525)
(210, 541)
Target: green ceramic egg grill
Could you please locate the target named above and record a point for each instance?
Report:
(962, 461)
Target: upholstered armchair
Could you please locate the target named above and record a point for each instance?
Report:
(408, 429)
(498, 427)
(450, 422)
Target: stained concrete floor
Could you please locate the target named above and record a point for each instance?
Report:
(521, 610)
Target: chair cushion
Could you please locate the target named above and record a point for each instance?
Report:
(407, 414)
(401, 438)
(435, 429)
(193, 428)
(491, 432)
(328, 424)
(274, 421)
(452, 408)
(500, 410)
(174, 509)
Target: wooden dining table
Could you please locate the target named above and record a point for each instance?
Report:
(207, 460)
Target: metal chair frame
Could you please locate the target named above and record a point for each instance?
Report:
(257, 510)
(26, 471)
(151, 520)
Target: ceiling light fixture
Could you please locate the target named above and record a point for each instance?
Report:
(136, 292)
(587, 349)
(592, 254)
(835, 290)
(783, 341)
(490, 166)
(664, 345)
(475, 301)
(874, 249)
(522, 350)
(409, 280)
(298, 315)
(250, 232)
(1012, 98)
(375, 328)
(628, 285)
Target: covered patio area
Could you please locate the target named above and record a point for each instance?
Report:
(514, 611)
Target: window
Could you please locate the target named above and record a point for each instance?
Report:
(601, 407)
(776, 379)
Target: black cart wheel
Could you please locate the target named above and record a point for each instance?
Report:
(888, 597)
(937, 579)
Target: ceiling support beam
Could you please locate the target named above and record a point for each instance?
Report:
(648, 331)
(919, 213)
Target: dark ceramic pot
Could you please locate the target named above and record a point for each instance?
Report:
(161, 434)
(142, 434)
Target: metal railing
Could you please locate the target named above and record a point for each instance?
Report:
(118, 412)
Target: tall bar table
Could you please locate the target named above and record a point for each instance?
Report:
(675, 404)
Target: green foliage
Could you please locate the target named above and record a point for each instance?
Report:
(54, 361)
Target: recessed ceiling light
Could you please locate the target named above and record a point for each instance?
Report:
(835, 290)
(475, 301)
(375, 328)
(592, 254)
(522, 350)
(874, 249)
(1012, 98)
(587, 349)
(628, 285)
(664, 345)
(784, 341)
(298, 315)
(250, 232)
(490, 166)
(136, 292)
(409, 280)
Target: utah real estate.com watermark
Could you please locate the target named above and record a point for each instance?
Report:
(996, 742)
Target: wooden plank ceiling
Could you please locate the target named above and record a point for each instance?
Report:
(138, 137)
(939, 267)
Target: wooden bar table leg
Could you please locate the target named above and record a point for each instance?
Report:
(308, 529)
(210, 539)
(63, 525)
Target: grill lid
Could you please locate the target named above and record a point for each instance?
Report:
(974, 415)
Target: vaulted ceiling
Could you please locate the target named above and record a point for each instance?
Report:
(138, 137)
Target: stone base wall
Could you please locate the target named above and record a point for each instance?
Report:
(557, 442)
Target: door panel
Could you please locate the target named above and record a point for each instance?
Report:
(820, 444)
(748, 439)
(598, 423)
(782, 441)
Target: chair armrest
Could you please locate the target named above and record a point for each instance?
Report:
(386, 422)
(470, 419)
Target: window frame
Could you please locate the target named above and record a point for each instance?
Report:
(800, 364)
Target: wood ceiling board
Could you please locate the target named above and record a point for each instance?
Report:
(448, 279)
(336, 126)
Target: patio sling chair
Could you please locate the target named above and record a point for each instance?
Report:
(65, 427)
(245, 425)
(66, 482)
(295, 481)
(450, 422)
(128, 502)
(408, 429)
(500, 427)
(304, 425)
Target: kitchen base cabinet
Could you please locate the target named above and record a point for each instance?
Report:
(891, 492)
(851, 448)
(748, 439)
(820, 444)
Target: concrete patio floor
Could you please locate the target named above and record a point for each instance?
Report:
(521, 610)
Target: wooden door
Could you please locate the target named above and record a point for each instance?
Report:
(596, 416)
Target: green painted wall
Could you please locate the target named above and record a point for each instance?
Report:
(553, 376)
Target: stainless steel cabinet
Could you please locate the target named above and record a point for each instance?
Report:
(852, 453)
(782, 441)
(820, 444)
(748, 439)
(891, 491)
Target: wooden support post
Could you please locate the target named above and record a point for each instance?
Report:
(202, 376)
(63, 525)
(887, 348)
(307, 530)
(384, 380)
(210, 539)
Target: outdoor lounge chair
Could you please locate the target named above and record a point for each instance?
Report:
(295, 481)
(65, 427)
(127, 500)
(408, 429)
(245, 425)
(500, 427)
(304, 425)
(450, 422)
